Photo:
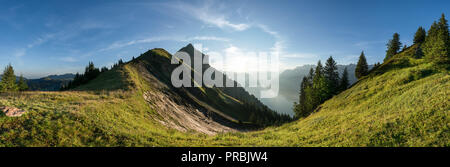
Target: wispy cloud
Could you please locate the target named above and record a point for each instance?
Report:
(208, 38)
(207, 13)
(68, 59)
(39, 41)
(20, 53)
(117, 45)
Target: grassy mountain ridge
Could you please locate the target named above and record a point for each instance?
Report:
(154, 70)
(403, 102)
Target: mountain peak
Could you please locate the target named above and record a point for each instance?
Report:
(190, 46)
(192, 51)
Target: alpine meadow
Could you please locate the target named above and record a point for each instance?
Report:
(368, 94)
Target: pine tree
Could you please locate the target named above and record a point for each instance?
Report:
(393, 46)
(301, 108)
(420, 35)
(104, 69)
(23, 86)
(404, 47)
(362, 67)
(344, 81)
(320, 86)
(91, 72)
(332, 76)
(419, 53)
(8, 82)
(437, 45)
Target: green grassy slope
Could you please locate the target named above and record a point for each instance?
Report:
(404, 102)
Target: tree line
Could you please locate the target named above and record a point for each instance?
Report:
(9, 82)
(323, 83)
(320, 85)
(91, 72)
(263, 116)
(433, 46)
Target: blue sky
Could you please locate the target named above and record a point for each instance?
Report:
(54, 37)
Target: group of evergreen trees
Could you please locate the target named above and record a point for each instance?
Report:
(320, 85)
(91, 72)
(9, 82)
(264, 116)
(434, 45)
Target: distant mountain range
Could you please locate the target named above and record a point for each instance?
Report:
(48, 83)
(68, 76)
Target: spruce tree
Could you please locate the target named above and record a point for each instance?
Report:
(301, 108)
(91, 72)
(8, 82)
(419, 53)
(23, 86)
(437, 45)
(308, 104)
(344, 81)
(362, 68)
(332, 76)
(320, 86)
(420, 35)
(393, 46)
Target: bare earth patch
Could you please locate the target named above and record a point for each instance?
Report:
(181, 116)
(12, 111)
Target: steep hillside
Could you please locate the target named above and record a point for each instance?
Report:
(151, 73)
(290, 81)
(404, 102)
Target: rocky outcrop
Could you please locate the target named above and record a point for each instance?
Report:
(12, 111)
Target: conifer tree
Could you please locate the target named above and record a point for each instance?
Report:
(320, 86)
(344, 81)
(23, 86)
(308, 103)
(420, 35)
(362, 67)
(437, 45)
(91, 72)
(104, 69)
(419, 53)
(404, 47)
(332, 76)
(301, 107)
(8, 82)
(393, 46)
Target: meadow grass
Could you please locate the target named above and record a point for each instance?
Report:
(407, 106)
